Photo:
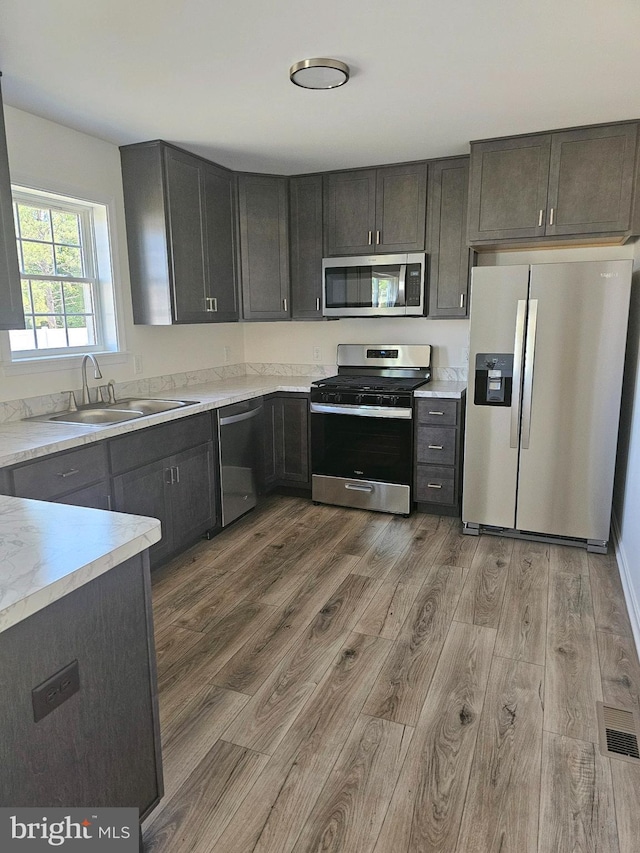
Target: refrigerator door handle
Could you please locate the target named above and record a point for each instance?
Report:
(518, 348)
(527, 388)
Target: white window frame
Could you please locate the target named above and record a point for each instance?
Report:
(99, 251)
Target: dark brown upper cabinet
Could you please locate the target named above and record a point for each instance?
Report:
(572, 183)
(11, 310)
(180, 217)
(264, 247)
(449, 255)
(305, 238)
(375, 210)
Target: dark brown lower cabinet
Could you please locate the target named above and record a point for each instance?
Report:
(286, 440)
(438, 444)
(179, 490)
(102, 746)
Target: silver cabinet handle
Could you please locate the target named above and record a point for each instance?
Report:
(168, 476)
(177, 470)
(540, 218)
(551, 216)
(435, 446)
(284, 304)
(370, 237)
(518, 350)
(318, 304)
(214, 303)
(377, 238)
(433, 486)
(70, 473)
(356, 487)
(462, 300)
(108, 502)
(529, 361)
(436, 413)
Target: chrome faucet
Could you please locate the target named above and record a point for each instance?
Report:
(86, 398)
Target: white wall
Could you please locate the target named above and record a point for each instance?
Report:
(46, 155)
(626, 498)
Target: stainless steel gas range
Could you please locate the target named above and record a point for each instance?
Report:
(362, 427)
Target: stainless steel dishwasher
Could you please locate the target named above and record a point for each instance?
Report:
(239, 442)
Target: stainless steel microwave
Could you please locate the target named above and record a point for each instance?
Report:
(374, 286)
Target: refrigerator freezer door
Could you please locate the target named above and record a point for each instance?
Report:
(575, 376)
(498, 300)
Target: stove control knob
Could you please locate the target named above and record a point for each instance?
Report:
(359, 398)
(393, 399)
(336, 398)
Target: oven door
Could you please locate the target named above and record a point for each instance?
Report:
(362, 458)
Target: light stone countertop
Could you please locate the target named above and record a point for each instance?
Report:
(21, 441)
(47, 550)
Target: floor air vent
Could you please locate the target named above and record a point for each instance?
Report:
(619, 729)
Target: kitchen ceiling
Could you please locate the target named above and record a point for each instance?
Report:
(427, 75)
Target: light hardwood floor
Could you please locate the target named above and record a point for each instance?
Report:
(349, 682)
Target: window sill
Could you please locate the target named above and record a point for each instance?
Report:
(59, 362)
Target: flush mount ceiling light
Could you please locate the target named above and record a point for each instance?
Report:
(319, 73)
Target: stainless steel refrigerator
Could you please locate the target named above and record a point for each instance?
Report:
(546, 357)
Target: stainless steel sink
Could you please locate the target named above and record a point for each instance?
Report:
(115, 413)
(151, 407)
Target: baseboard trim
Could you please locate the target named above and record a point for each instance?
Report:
(633, 606)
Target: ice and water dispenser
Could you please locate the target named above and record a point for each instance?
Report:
(493, 379)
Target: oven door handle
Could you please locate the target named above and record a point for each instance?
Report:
(362, 411)
(355, 487)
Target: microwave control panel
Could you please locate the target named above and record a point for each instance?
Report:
(413, 285)
(493, 379)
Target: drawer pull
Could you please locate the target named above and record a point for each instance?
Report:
(433, 486)
(70, 473)
(436, 413)
(435, 447)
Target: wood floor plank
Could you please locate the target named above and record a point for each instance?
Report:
(171, 644)
(378, 559)
(251, 665)
(457, 549)
(620, 670)
(577, 811)
(426, 808)
(193, 731)
(365, 529)
(401, 688)
(481, 599)
(202, 807)
(265, 720)
(349, 812)
(626, 791)
(272, 817)
(568, 559)
(399, 589)
(608, 598)
(572, 685)
(523, 621)
(501, 808)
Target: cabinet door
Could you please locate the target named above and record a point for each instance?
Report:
(401, 208)
(193, 494)
(264, 247)
(218, 191)
(448, 252)
(11, 311)
(292, 440)
(350, 212)
(146, 491)
(305, 232)
(190, 286)
(508, 188)
(97, 496)
(271, 416)
(591, 180)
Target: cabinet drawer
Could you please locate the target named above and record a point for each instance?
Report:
(148, 445)
(436, 446)
(437, 411)
(435, 485)
(65, 472)
(97, 496)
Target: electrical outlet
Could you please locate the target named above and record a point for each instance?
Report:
(465, 355)
(317, 353)
(137, 364)
(55, 690)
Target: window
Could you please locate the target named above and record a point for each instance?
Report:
(66, 304)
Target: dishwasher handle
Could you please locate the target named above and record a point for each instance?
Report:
(243, 416)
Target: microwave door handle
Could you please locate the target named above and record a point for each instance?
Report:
(401, 286)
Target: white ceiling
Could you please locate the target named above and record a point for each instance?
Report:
(427, 75)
